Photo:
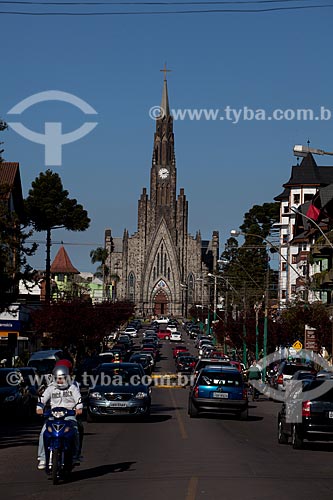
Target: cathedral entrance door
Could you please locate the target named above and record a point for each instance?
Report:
(161, 304)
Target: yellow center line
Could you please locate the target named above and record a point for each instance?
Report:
(192, 488)
(180, 421)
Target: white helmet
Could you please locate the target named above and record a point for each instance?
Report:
(61, 377)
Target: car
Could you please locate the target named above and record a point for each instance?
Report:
(203, 362)
(303, 375)
(181, 354)
(18, 393)
(286, 371)
(164, 334)
(219, 389)
(119, 391)
(144, 360)
(205, 350)
(148, 332)
(152, 350)
(44, 361)
(149, 356)
(316, 420)
(237, 365)
(177, 349)
(186, 364)
(175, 337)
(172, 327)
(131, 331)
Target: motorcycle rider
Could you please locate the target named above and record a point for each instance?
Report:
(62, 392)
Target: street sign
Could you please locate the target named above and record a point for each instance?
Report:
(298, 345)
(310, 340)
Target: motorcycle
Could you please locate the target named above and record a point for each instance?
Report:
(59, 442)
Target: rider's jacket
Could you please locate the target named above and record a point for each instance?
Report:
(66, 398)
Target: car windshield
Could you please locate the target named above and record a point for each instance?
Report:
(118, 375)
(223, 379)
(43, 365)
(314, 384)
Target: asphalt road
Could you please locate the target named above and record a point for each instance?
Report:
(173, 457)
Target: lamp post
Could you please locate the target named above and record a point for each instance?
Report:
(236, 233)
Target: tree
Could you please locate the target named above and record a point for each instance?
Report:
(13, 251)
(100, 254)
(3, 126)
(48, 207)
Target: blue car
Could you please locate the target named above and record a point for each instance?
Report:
(218, 389)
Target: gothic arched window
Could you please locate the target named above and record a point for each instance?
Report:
(190, 285)
(131, 287)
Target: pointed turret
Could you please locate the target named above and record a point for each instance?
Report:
(165, 109)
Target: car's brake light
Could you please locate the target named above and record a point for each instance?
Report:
(244, 394)
(280, 379)
(196, 392)
(306, 409)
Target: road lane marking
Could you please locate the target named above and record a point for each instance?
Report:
(192, 488)
(180, 421)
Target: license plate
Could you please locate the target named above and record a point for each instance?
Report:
(118, 405)
(220, 395)
(330, 414)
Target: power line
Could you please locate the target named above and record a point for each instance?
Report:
(241, 2)
(168, 12)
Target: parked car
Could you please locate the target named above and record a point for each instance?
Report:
(176, 337)
(18, 395)
(316, 420)
(114, 399)
(219, 389)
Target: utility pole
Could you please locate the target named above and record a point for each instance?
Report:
(244, 328)
(266, 320)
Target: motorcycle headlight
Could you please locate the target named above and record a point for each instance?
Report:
(58, 413)
(141, 395)
(9, 399)
(96, 395)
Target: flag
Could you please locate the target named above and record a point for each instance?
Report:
(313, 212)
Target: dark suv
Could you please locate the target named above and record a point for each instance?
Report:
(219, 389)
(312, 416)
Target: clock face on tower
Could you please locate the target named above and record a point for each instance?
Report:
(163, 173)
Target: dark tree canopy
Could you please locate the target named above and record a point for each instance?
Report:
(48, 207)
(3, 127)
(13, 252)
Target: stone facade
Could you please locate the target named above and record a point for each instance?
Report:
(162, 268)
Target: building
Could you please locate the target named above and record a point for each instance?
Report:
(162, 268)
(297, 236)
(63, 284)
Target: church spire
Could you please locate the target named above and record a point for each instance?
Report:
(165, 109)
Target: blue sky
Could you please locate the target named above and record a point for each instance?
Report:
(267, 60)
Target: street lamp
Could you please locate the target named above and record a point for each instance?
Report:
(304, 150)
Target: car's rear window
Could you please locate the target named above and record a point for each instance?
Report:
(223, 379)
(328, 394)
(291, 369)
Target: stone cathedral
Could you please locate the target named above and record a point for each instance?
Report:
(161, 267)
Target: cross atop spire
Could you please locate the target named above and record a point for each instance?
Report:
(165, 71)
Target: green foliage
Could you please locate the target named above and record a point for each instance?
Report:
(13, 251)
(297, 315)
(48, 206)
(3, 126)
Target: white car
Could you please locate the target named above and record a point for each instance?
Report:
(130, 330)
(175, 337)
(172, 328)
